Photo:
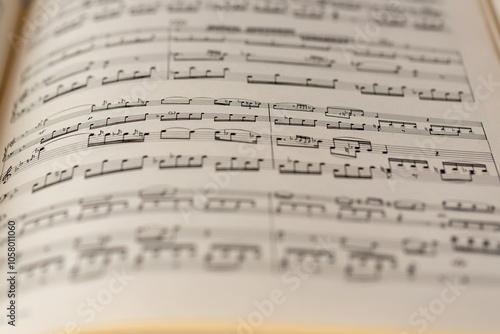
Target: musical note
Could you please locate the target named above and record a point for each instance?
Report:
(293, 256)
(94, 261)
(223, 257)
(349, 147)
(100, 207)
(368, 266)
(413, 246)
(53, 178)
(476, 245)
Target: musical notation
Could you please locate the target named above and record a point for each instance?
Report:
(170, 246)
(375, 67)
(333, 118)
(397, 169)
(341, 154)
(189, 141)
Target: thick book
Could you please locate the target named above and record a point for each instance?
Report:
(250, 166)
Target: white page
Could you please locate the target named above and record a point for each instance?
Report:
(213, 156)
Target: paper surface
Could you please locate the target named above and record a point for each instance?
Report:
(255, 163)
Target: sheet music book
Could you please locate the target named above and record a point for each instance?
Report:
(250, 166)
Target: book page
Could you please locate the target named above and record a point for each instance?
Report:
(253, 166)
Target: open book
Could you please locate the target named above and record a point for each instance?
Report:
(241, 167)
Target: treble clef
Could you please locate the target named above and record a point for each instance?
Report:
(7, 175)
